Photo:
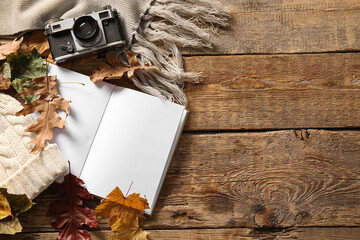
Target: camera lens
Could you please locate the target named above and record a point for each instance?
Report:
(85, 27)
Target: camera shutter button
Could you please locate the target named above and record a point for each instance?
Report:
(68, 48)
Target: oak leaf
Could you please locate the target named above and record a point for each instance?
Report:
(39, 41)
(9, 48)
(47, 106)
(116, 69)
(124, 213)
(70, 212)
(5, 76)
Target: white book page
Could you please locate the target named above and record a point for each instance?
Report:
(172, 151)
(88, 103)
(132, 145)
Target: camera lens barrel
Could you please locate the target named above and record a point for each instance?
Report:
(85, 28)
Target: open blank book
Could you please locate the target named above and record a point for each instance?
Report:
(116, 136)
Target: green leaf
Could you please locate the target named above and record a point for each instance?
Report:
(10, 227)
(26, 67)
(18, 83)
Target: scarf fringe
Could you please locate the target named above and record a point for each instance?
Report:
(185, 23)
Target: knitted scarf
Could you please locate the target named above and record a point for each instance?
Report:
(153, 29)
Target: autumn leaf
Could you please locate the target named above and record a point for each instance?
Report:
(9, 48)
(130, 231)
(66, 64)
(116, 69)
(11, 205)
(39, 41)
(5, 209)
(10, 227)
(5, 76)
(70, 212)
(124, 213)
(19, 202)
(25, 68)
(47, 106)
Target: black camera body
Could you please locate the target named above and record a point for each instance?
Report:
(88, 34)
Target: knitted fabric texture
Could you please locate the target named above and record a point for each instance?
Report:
(153, 29)
(20, 171)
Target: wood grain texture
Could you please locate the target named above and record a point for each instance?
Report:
(271, 179)
(269, 91)
(274, 92)
(219, 234)
(292, 26)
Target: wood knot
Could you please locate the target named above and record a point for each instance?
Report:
(302, 217)
(267, 216)
(302, 135)
(183, 216)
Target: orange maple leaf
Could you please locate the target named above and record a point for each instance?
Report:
(116, 69)
(124, 213)
(47, 106)
(9, 48)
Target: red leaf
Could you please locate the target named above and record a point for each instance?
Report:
(70, 212)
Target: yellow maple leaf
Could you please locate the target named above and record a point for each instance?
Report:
(5, 209)
(116, 69)
(130, 231)
(124, 213)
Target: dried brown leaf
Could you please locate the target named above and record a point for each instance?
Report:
(87, 59)
(48, 119)
(4, 82)
(10, 227)
(5, 76)
(116, 69)
(47, 106)
(39, 41)
(66, 65)
(9, 48)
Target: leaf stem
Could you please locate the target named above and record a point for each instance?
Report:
(72, 82)
(129, 189)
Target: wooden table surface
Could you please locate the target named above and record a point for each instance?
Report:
(271, 149)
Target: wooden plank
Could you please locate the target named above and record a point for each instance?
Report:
(265, 179)
(281, 179)
(274, 92)
(218, 234)
(270, 91)
(293, 26)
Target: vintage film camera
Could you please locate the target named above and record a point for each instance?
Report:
(88, 34)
